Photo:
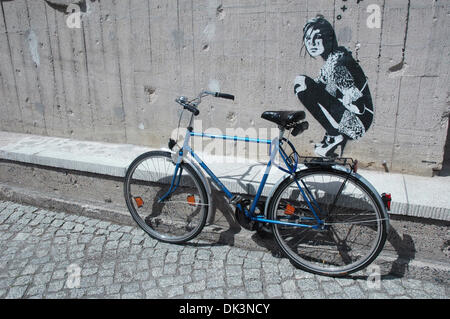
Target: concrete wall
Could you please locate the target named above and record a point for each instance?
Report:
(115, 78)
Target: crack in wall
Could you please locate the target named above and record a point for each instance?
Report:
(12, 65)
(399, 66)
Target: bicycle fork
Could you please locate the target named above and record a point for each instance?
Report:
(177, 159)
(174, 184)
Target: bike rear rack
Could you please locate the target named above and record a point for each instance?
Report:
(311, 161)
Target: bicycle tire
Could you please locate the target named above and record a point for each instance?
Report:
(335, 255)
(181, 215)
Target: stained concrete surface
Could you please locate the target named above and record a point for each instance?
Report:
(115, 77)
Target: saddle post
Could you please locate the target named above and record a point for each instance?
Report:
(281, 134)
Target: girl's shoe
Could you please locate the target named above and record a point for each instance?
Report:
(327, 149)
(324, 141)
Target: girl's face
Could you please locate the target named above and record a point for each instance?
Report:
(313, 42)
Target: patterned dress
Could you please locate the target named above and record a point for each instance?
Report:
(344, 79)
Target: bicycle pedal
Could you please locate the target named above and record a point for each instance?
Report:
(289, 210)
(264, 229)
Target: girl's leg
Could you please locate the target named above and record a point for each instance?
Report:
(324, 107)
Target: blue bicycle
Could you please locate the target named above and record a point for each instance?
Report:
(325, 217)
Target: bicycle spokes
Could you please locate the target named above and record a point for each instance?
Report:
(352, 230)
(168, 201)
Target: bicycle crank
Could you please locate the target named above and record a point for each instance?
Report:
(241, 218)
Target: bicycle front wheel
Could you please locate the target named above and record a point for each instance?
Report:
(354, 224)
(168, 202)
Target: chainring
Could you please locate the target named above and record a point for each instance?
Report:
(243, 220)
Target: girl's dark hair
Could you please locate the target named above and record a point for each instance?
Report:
(326, 30)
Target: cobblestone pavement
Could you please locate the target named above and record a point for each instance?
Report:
(46, 254)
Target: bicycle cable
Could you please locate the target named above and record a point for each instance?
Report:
(287, 139)
(178, 127)
(179, 120)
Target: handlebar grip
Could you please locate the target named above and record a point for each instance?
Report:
(224, 96)
(192, 109)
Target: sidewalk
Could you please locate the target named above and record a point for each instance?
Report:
(55, 255)
(417, 196)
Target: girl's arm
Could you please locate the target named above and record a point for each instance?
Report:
(350, 93)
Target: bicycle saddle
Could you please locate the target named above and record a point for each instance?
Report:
(284, 118)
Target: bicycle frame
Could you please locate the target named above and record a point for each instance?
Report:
(292, 167)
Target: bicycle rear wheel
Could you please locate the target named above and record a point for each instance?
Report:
(171, 208)
(354, 229)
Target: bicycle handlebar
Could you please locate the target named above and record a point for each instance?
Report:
(191, 106)
(192, 109)
(224, 95)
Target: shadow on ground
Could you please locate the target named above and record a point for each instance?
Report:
(403, 245)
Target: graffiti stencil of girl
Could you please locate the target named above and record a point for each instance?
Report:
(339, 99)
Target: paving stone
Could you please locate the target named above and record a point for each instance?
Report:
(94, 291)
(393, 287)
(313, 294)
(253, 285)
(214, 293)
(133, 295)
(196, 286)
(354, 292)
(331, 287)
(56, 285)
(113, 288)
(30, 269)
(42, 278)
(289, 285)
(171, 257)
(436, 292)
(273, 291)
(16, 292)
(23, 280)
(236, 293)
(131, 287)
(377, 295)
(307, 284)
(215, 282)
(175, 291)
(36, 290)
(233, 270)
(251, 273)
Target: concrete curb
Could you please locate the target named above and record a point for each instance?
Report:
(51, 202)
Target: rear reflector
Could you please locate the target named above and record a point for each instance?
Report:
(387, 198)
(191, 200)
(139, 202)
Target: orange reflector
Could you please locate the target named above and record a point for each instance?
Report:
(139, 202)
(191, 200)
(289, 210)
